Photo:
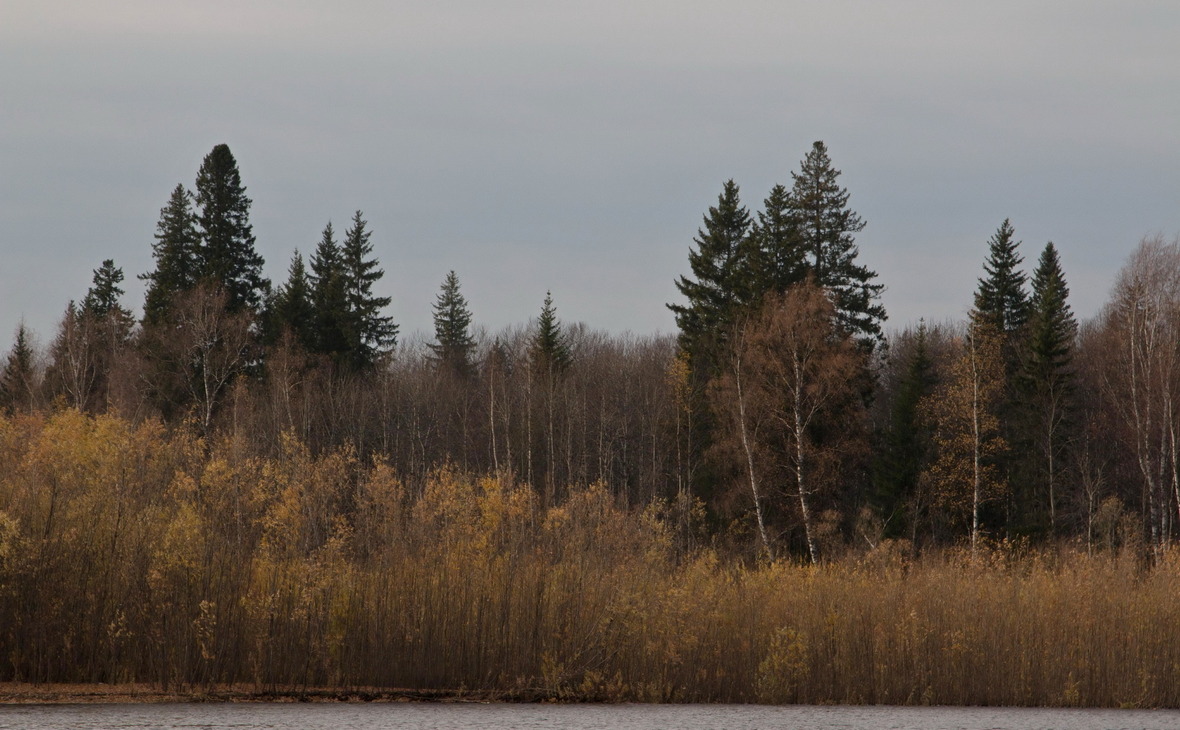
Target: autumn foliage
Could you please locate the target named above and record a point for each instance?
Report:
(131, 553)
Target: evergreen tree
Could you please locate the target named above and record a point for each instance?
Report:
(176, 253)
(723, 270)
(905, 446)
(102, 299)
(18, 380)
(1001, 303)
(292, 308)
(328, 298)
(1001, 300)
(452, 323)
(1047, 377)
(778, 256)
(227, 256)
(370, 334)
(825, 226)
(549, 350)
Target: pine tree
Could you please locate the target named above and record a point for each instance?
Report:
(550, 350)
(292, 309)
(722, 269)
(227, 256)
(452, 323)
(1001, 300)
(176, 255)
(1046, 377)
(370, 334)
(825, 226)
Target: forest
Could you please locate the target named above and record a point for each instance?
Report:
(784, 502)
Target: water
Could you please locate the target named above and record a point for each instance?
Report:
(577, 717)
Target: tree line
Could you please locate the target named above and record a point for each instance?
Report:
(782, 414)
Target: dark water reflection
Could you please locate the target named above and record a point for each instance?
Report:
(578, 717)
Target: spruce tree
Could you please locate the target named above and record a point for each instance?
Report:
(1001, 299)
(1001, 304)
(292, 309)
(176, 253)
(370, 334)
(722, 270)
(778, 256)
(825, 226)
(906, 442)
(1046, 376)
(452, 323)
(327, 296)
(549, 350)
(102, 299)
(18, 380)
(227, 256)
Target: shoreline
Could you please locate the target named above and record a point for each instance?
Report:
(23, 693)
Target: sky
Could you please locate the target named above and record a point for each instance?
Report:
(573, 147)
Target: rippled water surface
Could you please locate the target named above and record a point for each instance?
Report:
(579, 717)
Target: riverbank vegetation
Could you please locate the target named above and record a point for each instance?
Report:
(784, 503)
(133, 554)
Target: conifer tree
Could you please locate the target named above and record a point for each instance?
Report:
(905, 446)
(777, 253)
(452, 323)
(722, 270)
(370, 334)
(176, 253)
(550, 350)
(19, 378)
(292, 308)
(227, 256)
(1001, 303)
(1001, 299)
(327, 296)
(102, 299)
(1047, 377)
(825, 226)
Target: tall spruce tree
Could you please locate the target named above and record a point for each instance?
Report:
(778, 258)
(327, 296)
(825, 226)
(452, 328)
(1001, 304)
(370, 333)
(176, 253)
(1001, 299)
(722, 269)
(227, 256)
(549, 350)
(1046, 377)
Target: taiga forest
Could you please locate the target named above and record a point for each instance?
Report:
(260, 483)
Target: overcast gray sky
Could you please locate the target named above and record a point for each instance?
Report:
(575, 146)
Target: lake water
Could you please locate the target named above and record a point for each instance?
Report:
(578, 717)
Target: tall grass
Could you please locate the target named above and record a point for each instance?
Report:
(131, 554)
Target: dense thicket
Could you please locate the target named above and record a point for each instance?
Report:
(137, 553)
(772, 416)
